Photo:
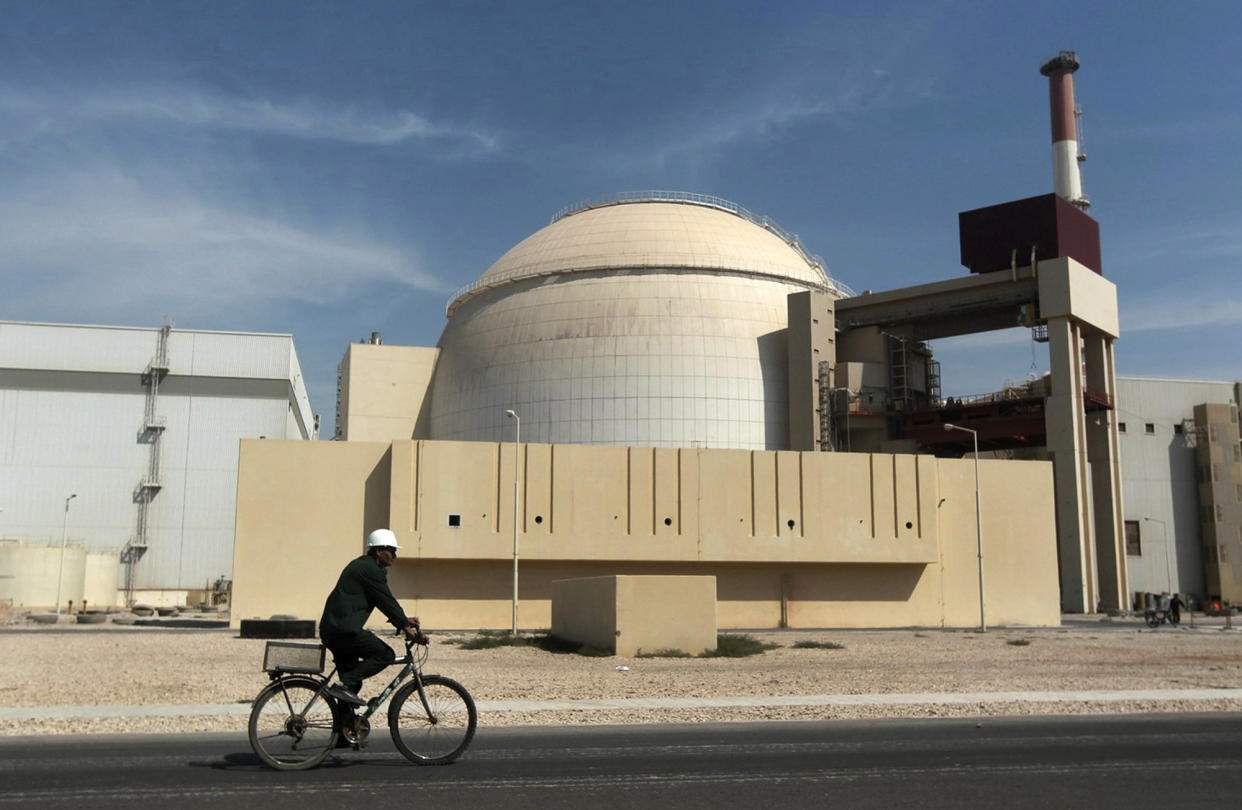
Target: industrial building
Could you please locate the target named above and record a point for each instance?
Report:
(618, 394)
(1183, 483)
(698, 396)
(655, 383)
(707, 482)
(120, 445)
(788, 543)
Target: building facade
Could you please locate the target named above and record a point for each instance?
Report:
(1179, 450)
(124, 440)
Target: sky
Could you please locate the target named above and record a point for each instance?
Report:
(330, 169)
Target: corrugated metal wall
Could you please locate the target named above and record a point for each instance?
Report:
(72, 407)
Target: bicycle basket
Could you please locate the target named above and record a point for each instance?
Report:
(285, 656)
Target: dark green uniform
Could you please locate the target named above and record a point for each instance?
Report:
(361, 588)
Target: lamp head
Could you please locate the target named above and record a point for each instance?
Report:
(511, 414)
(948, 427)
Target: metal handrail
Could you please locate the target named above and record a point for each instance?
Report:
(830, 284)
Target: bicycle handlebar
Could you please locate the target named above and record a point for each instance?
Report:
(419, 637)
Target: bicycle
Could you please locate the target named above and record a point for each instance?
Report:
(1157, 617)
(295, 724)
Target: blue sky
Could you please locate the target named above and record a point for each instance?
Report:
(333, 169)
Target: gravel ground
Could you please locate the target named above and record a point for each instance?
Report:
(129, 666)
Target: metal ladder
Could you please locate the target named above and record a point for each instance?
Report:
(152, 431)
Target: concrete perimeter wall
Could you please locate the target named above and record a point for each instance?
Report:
(805, 539)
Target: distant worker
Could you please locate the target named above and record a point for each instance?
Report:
(1175, 609)
(362, 587)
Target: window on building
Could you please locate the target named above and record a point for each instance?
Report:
(1121, 427)
(1134, 547)
(1150, 427)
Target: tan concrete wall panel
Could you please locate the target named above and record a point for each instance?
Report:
(590, 494)
(302, 513)
(849, 560)
(727, 511)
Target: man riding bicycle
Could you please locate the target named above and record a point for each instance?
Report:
(362, 587)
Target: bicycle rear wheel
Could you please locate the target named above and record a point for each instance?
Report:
(292, 726)
(438, 736)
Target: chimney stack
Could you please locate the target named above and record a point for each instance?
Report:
(1067, 181)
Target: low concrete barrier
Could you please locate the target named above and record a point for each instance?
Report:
(634, 614)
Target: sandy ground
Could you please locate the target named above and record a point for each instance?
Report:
(128, 666)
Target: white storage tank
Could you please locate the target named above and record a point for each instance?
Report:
(100, 586)
(29, 575)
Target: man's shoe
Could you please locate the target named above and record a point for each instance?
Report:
(342, 694)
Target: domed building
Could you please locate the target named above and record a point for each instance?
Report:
(683, 382)
(651, 319)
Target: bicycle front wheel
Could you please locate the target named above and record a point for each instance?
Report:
(437, 732)
(292, 725)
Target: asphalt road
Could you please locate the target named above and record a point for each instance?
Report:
(1099, 761)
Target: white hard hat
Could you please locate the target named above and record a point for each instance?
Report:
(382, 537)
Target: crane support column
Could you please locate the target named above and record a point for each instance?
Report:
(1105, 464)
(1080, 307)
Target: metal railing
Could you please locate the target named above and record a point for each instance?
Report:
(830, 284)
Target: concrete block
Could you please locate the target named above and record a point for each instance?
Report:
(629, 614)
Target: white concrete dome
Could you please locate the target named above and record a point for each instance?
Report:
(653, 320)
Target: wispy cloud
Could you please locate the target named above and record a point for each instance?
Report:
(757, 115)
(1180, 310)
(1188, 242)
(201, 108)
(99, 242)
(813, 75)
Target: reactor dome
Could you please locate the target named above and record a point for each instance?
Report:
(652, 319)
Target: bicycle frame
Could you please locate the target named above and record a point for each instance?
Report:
(409, 667)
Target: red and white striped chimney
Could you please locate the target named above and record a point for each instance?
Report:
(1067, 181)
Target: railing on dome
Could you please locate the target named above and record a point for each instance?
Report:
(766, 223)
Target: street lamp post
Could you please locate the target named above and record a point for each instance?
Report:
(517, 437)
(983, 625)
(64, 537)
(1168, 568)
